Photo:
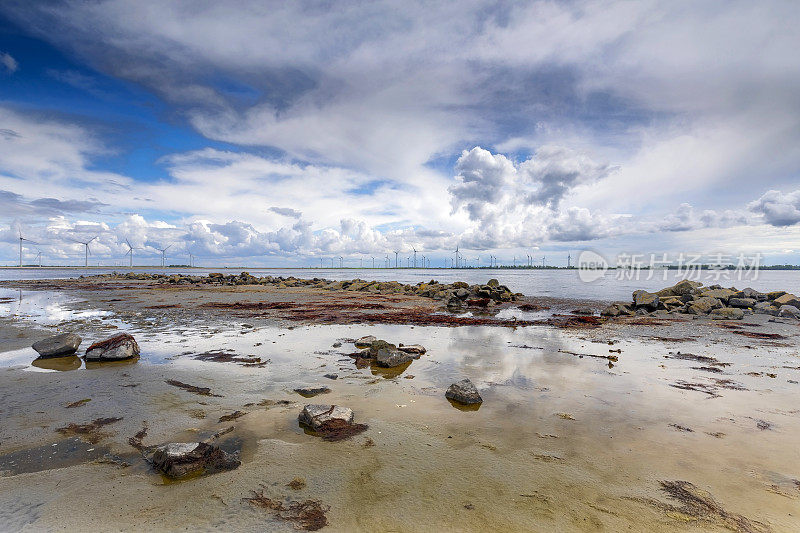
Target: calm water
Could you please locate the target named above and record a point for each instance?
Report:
(556, 283)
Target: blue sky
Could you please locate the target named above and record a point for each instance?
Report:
(276, 134)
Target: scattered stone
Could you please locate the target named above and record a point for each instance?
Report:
(331, 376)
(310, 392)
(179, 460)
(116, 348)
(412, 348)
(365, 342)
(727, 313)
(331, 422)
(390, 358)
(744, 303)
(58, 345)
(464, 392)
(789, 311)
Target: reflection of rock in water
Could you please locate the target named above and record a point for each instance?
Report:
(61, 454)
(62, 364)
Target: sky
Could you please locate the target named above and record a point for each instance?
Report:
(294, 133)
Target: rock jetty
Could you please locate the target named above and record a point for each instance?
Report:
(692, 298)
(456, 294)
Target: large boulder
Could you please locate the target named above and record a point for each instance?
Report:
(789, 310)
(765, 308)
(703, 305)
(184, 459)
(412, 348)
(727, 313)
(646, 300)
(744, 303)
(681, 288)
(58, 346)
(464, 392)
(722, 295)
(116, 348)
(787, 299)
(389, 357)
(493, 283)
(751, 293)
(365, 342)
(315, 416)
(775, 294)
(617, 309)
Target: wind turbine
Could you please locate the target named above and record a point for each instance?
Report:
(373, 262)
(341, 262)
(130, 251)
(21, 238)
(39, 258)
(164, 254)
(455, 263)
(387, 261)
(87, 252)
(569, 259)
(395, 258)
(415, 256)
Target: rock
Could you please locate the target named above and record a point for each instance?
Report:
(722, 295)
(118, 347)
(337, 345)
(727, 313)
(309, 392)
(645, 299)
(789, 310)
(493, 283)
(58, 346)
(463, 391)
(365, 342)
(742, 302)
(182, 459)
(787, 299)
(703, 305)
(681, 288)
(617, 309)
(751, 293)
(331, 376)
(389, 358)
(765, 308)
(412, 348)
(316, 415)
(585, 311)
(775, 294)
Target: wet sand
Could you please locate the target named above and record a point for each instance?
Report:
(563, 440)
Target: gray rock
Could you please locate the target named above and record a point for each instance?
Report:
(493, 283)
(182, 459)
(58, 346)
(412, 348)
(727, 313)
(315, 415)
(387, 357)
(742, 302)
(118, 347)
(765, 308)
(365, 341)
(789, 310)
(703, 305)
(752, 293)
(646, 300)
(331, 376)
(720, 294)
(309, 392)
(463, 391)
(787, 299)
